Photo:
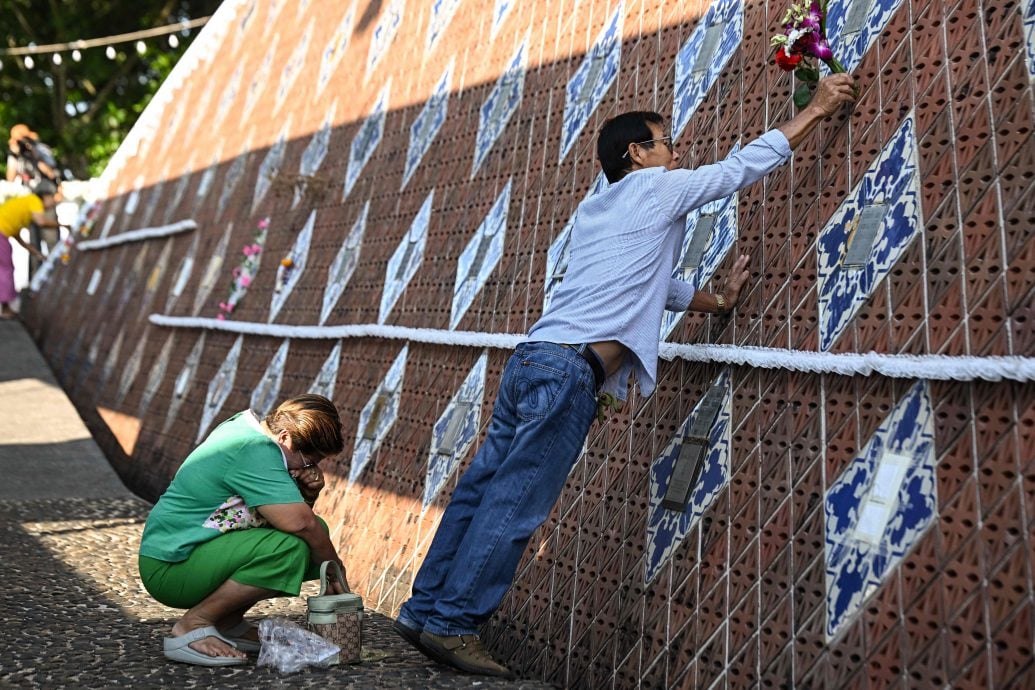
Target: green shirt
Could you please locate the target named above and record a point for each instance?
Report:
(218, 488)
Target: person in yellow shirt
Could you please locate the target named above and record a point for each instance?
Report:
(15, 214)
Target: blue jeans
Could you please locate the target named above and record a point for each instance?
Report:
(545, 405)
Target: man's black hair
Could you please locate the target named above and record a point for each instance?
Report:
(45, 188)
(615, 137)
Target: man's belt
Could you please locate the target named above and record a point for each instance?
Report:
(591, 357)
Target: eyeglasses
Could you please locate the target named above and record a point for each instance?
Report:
(308, 463)
(667, 141)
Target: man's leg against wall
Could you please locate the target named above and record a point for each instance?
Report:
(467, 497)
(521, 494)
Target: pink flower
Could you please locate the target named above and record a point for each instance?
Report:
(224, 306)
(245, 281)
(256, 248)
(264, 223)
(236, 272)
(220, 317)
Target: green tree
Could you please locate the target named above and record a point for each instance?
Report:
(84, 109)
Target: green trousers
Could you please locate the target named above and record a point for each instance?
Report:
(261, 557)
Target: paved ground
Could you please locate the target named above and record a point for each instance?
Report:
(72, 611)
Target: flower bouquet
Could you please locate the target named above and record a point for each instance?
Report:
(244, 272)
(803, 40)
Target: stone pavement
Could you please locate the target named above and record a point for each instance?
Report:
(73, 611)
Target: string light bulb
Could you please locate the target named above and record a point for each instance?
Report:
(141, 47)
(76, 55)
(57, 58)
(29, 62)
(173, 41)
(110, 52)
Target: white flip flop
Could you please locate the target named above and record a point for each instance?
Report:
(236, 636)
(178, 649)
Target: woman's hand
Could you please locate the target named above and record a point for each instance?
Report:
(310, 482)
(735, 282)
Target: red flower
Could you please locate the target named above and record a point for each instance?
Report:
(786, 61)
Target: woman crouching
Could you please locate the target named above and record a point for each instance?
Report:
(236, 526)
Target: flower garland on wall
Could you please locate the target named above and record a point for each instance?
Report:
(245, 271)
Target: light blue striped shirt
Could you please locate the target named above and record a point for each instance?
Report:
(625, 245)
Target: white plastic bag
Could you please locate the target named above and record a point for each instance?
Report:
(290, 648)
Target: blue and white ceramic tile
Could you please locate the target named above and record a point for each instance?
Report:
(260, 81)
(248, 12)
(207, 177)
(109, 222)
(498, 108)
(219, 388)
(95, 282)
(384, 33)
(500, 11)
(879, 507)
(430, 120)
(183, 383)
(849, 48)
(1028, 14)
(133, 200)
(233, 175)
(227, 98)
(443, 460)
(264, 397)
(178, 191)
(272, 14)
(893, 180)
(213, 270)
(344, 265)
(366, 140)
(155, 376)
(480, 257)
(270, 166)
(335, 49)
(299, 256)
(327, 377)
(183, 274)
(312, 157)
(697, 70)
(154, 279)
(131, 283)
(384, 407)
(406, 259)
(153, 195)
(131, 369)
(293, 67)
(594, 77)
(442, 12)
(724, 233)
(560, 251)
(666, 529)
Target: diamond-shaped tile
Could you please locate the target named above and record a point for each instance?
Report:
(183, 273)
(429, 121)
(207, 177)
(406, 259)
(560, 250)
(701, 255)
(109, 362)
(315, 152)
(133, 200)
(378, 415)
(155, 376)
(455, 431)
(293, 67)
(288, 276)
(264, 397)
(442, 12)
(179, 190)
(594, 77)
(366, 140)
(335, 49)
(131, 369)
(666, 529)
(227, 97)
(154, 279)
(324, 382)
(344, 265)
(270, 166)
(879, 507)
(183, 383)
(498, 108)
(479, 258)
(384, 33)
(233, 175)
(891, 187)
(703, 57)
(853, 25)
(260, 81)
(500, 10)
(219, 388)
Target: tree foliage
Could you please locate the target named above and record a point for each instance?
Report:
(84, 109)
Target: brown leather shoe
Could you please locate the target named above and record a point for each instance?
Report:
(466, 653)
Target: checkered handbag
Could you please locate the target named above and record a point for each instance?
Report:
(338, 618)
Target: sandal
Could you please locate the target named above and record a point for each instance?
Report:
(178, 649)
(235, 635)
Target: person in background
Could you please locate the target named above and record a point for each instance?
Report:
(17, 213)
(236, 526)
(600, 328)
(29, 159)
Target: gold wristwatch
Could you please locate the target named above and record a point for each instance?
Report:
(720, 303)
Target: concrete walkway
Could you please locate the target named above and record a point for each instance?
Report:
(74, 612)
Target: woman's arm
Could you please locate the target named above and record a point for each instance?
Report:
(299, 519)
(29, 248)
